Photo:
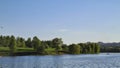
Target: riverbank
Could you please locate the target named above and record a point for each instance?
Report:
(5, 51)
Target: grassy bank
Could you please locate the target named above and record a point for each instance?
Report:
(5, 51)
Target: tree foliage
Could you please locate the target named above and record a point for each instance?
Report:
(74, 49)
(54, 46)
(36, 43)
(28, 43)
(57, 43)
(12, 45)
(89, 47)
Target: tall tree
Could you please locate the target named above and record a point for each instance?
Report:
(41, 48)
(7, 42)
(29, 43)
(44, 43)
(20, 42)
(12, 45)
(36, 43)
(74, 49)
(65, 47)
(57, 42)
(49, 43)
(1, 41)
(97, 48)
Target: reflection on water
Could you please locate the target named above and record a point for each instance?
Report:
(65, 61)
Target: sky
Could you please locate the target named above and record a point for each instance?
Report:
(74, 21)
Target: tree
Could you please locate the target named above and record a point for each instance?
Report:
(49, 43)
(1, 41)
(57, 42)
(97, 48)
(36, 43)
(89, 48)
(12, 45)
(74, 49)
(20, 42)
(29, 43)
(83, 48)
(4, 41)
(7, 42)
(44, 43)
(41, 48)
(65, 47)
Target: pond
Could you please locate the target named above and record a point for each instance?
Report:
(103, 60)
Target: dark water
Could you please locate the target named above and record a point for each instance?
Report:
(65, 61)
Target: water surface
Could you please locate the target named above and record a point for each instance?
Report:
(102, 60)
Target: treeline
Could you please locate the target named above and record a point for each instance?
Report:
(109, 47)
(54, 46)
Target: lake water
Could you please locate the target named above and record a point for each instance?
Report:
(64, 61)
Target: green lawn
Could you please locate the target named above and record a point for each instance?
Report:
(50, 49)
(20, 49)
(6, 49)
(25, 49)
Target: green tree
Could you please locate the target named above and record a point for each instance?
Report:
(41, 48)
(29, 43)
(82, 46)
(20, 42)
(89, 47)
(65, 47)
(12, 45)
(7, 42)
(36, 43)
(74, 49)
(44, 43)
(1, 41)
(4, 41)
(57, 42)
(92, 47)
(97, 48)
(49, 43)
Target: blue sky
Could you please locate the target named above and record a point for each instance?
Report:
(72, 20)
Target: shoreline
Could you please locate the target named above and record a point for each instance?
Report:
(105, 53)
